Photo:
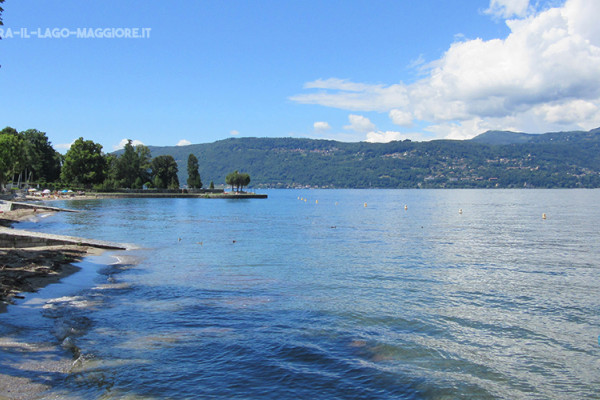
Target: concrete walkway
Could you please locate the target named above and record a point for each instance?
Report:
(16, 205)
(17, 238)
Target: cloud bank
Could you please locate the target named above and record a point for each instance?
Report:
(543, 76)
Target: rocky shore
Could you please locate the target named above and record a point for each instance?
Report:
(29, 269)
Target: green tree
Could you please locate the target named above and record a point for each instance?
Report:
(193, 180)
(12, 156)
(42, 162)
(237, 180)
(164, 172)
(144, 167)
(127, 167)
(131, 169)
(231, 179)
(84, 164)
(9, 130)
(243, 180)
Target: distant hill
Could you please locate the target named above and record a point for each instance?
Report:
(492, 159)
(508, 137)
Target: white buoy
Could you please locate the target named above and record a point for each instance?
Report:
(460, 210)
(405, 207)
(544, 216)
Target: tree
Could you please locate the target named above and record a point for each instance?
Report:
(145, 158)
(9, 130)
(12, 156)
(84, 163)
(193, 180)
(243, 180)
(127, 167)
(131, 169)
(237, 180)
(42, 162)
(231, 179)
(164, 172)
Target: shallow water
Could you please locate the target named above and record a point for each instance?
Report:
(344, 295)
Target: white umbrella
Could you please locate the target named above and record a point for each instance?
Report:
(32, 190)
(46, 191)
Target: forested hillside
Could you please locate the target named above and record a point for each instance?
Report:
(493, 159)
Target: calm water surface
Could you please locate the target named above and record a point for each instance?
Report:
(347, 295)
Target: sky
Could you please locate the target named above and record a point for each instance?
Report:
(198, 71)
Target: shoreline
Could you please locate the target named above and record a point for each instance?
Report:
(32, 268)
(142, 195)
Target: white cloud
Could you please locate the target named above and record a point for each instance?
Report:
(183, 142)
(508, 8)
(234, 133)
(542, 75)
(570, 112)
(582, 19)
(354, 96)
(402, 118)
(358, 123)
(388, 136)
(321, 126)
(383, 137)
(63, 147)
(123, 142)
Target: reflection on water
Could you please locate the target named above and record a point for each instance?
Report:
(283, 298)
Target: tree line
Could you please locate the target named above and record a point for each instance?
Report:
(28, 157)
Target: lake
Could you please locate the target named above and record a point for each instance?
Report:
(323, 294)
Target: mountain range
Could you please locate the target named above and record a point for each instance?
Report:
(492, 159)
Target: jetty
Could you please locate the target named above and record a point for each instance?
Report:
(17, 238)
(16, 205)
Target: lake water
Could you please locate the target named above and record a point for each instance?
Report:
(323, 294)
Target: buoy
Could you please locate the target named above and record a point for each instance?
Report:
(365, 204)
(316, 201)
(544, 216)
(460, 210)
(405, 207)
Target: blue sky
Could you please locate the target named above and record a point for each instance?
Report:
(375, 70)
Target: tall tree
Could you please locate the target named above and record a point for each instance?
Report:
(193, 180)
(164, 172)
(127, 167)
(131, 169)
(84, 163)
(12, 156)
(145, 159)
(42, 161)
